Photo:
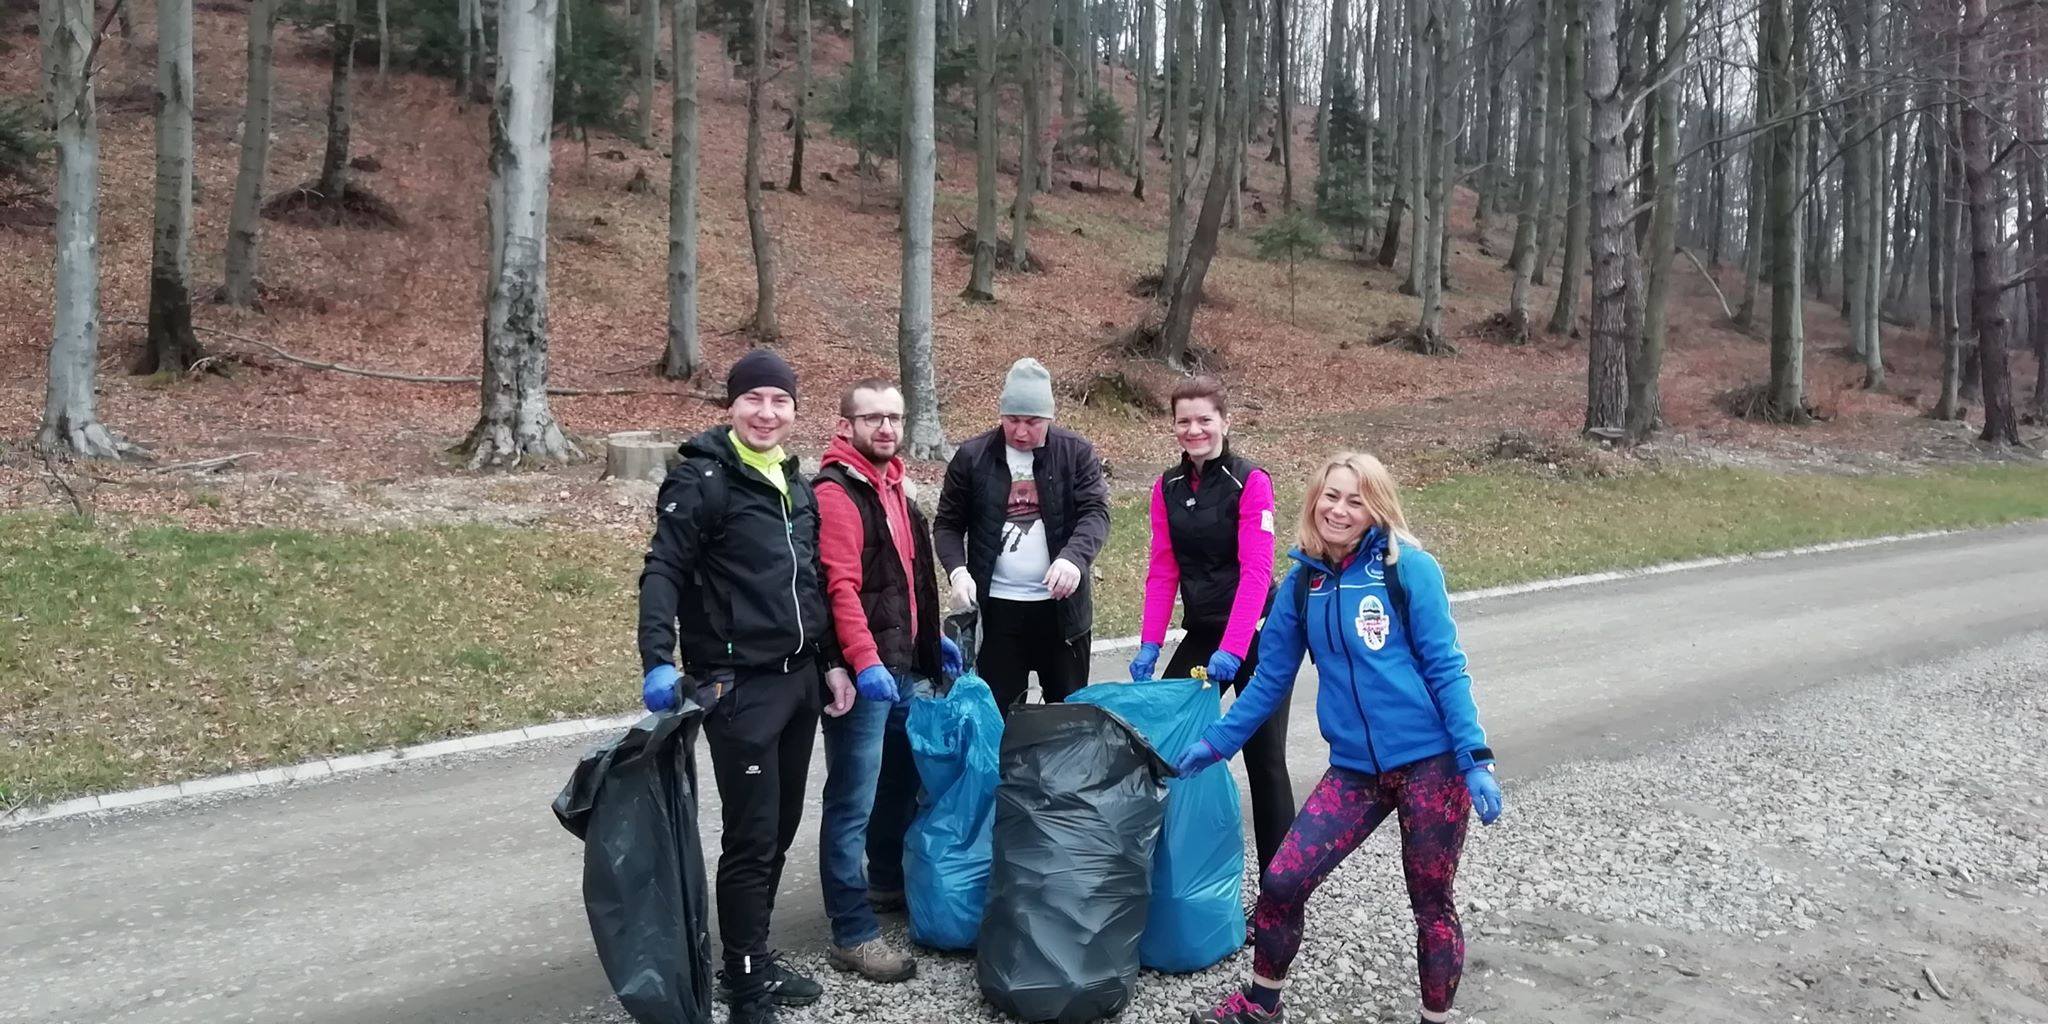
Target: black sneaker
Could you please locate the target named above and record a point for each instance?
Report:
(783, 985)
(758, 1010)
(1237, 1009)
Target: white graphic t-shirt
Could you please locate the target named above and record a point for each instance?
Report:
(1022, 563)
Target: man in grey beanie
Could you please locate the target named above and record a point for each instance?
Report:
(1022, 515)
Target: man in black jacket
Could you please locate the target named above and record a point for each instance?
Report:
(732, 574)
(1022, 515)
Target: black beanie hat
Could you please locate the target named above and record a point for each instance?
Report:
(759, 368)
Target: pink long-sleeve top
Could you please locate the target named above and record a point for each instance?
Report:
(1254, 565)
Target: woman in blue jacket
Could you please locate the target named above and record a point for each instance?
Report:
(1395, 704)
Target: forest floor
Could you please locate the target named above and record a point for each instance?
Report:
(348, 481)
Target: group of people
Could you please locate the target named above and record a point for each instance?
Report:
(777, 602)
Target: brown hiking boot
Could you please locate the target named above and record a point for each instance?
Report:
(873, 960)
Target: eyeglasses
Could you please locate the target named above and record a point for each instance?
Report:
(876, 420)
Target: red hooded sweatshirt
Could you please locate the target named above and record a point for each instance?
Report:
(839, 544)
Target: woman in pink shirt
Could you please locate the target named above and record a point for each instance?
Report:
(1212, 545)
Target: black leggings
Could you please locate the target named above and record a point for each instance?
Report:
(1265, 754)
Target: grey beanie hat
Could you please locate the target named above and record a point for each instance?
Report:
(1027, 391)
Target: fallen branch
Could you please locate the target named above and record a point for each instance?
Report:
(1726, 309)
(1934, 983)
(423, 378)
(205, 465)
(77, 502)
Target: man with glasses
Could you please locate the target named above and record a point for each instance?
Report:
(877, 554)
(1022, 515)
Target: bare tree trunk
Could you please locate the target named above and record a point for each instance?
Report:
(70, 421)
(1037, 17)
(1284, 136)
(766, 330)
(867, 65)
(649, 47)
(1333, 66)
(1404, 142)
(1433, 84)
(1617, 269)
(1755, 229)
(918, 167)
(1145, 42)
(1070, 49)
(685, 352)
(1212, 101)
(516, 426)
(1940, 254)
(1535, 141)
(1415, 159)
(1187, 290)
(334, 164)
(1180, 88)
(801, 100)
(1781, 218)
(1565, 314)
(981, 287)
(1987, 311)
(1547, 226)
(466, 78)
(486, 66)
(245, 230)
(172, 346)
(1490, 147)
(1646, 366)
(383, 38)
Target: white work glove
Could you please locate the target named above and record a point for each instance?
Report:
(1063, 579)
(963, 589)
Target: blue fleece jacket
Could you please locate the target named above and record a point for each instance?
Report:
(1382, 701)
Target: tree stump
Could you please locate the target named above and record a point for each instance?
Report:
(639, 455)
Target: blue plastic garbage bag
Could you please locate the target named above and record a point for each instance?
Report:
(1197, 915)
(633, 802)
(955, 739)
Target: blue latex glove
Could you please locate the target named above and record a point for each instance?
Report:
(951, 661)
(1196, 757)
(1144, 663)
(1223, 666)
(876, 683)
(658, 688)
(1485, 793)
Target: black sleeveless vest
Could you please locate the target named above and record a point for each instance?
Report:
(1202, 523)
(884, 592)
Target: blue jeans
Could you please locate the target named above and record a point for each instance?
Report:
(870, 797)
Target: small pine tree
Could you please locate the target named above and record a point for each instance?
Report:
(23, 138)
(1102, 131)
(1293, 237)
(1343, 193)
(591, 82)
(867, 114)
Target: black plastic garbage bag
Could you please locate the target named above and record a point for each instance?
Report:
(1078, 815)
(633, 802)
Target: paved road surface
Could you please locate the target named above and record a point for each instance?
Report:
(445, 891)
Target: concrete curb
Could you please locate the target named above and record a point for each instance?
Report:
(584, 726)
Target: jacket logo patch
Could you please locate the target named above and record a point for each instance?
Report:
(670, 507)
(1373, 624)
(1315, 581)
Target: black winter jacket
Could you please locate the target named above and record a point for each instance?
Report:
(1073, 503)
(732, 571)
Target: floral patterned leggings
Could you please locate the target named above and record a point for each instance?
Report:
(1432, 801)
